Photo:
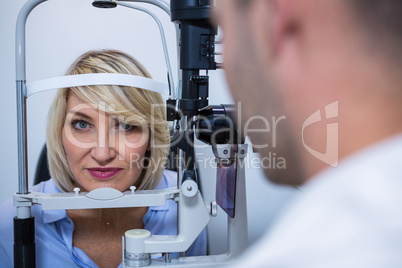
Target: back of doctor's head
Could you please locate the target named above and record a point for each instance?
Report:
(122, 102)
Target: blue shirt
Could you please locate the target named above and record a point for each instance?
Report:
(54, 230)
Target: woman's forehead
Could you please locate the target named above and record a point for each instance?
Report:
(76, 105)
(82, 108)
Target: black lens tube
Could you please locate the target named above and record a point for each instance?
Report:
(24, 243)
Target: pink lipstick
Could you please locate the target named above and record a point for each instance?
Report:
(104, 173)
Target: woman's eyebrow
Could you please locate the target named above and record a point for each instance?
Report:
(84, 116)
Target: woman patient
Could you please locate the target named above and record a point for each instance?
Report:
(100, 136)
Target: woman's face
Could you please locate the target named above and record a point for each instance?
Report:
(101, 151)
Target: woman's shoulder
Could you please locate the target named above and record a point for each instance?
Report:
(46, 187)
(168, 180)
(7, 212)
(7, 209)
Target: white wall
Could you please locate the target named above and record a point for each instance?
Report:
(60, 30)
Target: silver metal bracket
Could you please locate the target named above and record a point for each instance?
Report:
(229, 151)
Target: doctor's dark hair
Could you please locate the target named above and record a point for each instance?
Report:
(381, 21)
(144, 107)
(379, 15)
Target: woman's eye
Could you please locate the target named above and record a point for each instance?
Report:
(80, 124)
(126, 127)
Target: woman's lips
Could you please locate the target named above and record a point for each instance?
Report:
(104, 173)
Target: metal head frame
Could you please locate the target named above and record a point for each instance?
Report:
(193, 213)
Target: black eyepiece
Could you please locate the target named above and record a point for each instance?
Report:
(104, 4)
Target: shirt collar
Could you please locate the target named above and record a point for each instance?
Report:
(162, 185)
(378, 159)
(50, 216)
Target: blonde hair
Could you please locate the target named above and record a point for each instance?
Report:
(127, 102)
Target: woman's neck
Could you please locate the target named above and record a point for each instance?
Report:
(109, 216)
(98, 232)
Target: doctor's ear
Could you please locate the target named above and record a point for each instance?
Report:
(276, 22)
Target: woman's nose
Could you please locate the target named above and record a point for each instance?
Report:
(103, 154)
(105, 150)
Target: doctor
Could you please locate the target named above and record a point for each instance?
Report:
(331, 70)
